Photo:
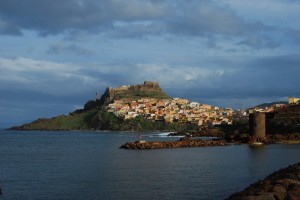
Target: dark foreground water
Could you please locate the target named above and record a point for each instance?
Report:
(90, 165)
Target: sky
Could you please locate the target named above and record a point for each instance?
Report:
(55, 55)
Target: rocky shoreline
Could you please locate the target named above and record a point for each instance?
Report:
(189, 141)
(182, 143)
(269, 139)
(280, 185)
(245, 138)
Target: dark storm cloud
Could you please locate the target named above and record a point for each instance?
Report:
(206, 17)
(132, 18)
(9, 29)
(51, 17)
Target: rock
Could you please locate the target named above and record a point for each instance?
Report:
(183, 142)
(294, 192)
(280, 185)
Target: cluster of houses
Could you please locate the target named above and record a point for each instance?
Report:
(171, 110)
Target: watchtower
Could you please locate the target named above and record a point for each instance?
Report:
(257, 124)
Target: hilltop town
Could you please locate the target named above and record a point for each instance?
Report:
(126, 102)
(172, 110)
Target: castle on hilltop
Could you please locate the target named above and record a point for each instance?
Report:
(147, 89)
(146, 85)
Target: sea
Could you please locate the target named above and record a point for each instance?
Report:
(79, 165)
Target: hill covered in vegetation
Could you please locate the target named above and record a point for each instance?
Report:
(94, 115)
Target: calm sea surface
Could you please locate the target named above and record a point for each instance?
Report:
(90, 165)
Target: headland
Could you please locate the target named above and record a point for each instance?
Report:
(146, 107)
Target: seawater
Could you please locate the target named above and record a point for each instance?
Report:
(90, 165)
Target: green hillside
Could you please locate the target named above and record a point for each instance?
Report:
(100, 119)
(62, 122)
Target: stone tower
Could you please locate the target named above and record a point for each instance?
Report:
(257, 124)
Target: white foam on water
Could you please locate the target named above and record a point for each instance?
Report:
(163, 135)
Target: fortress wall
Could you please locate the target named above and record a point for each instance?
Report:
(151, 84)
(121, 88)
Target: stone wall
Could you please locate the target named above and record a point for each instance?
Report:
(151, 84)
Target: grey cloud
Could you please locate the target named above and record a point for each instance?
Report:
(140, 30)
(295, 35)
(108, 79)
(114, 74)
(9, 29)
(259, 42)
(246, 80)
(206, 17)
(48, 17)
(47, 77)
(61, 49)
(138, 18)
(237, 77)
(263, 77)
(254, 77)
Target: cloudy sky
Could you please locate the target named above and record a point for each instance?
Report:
(54, 55)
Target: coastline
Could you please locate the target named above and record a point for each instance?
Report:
(293, 138)
(289, 142)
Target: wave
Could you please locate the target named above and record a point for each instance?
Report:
(163, 135)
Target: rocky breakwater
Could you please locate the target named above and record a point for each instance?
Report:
(183, 142)
(280, 185)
